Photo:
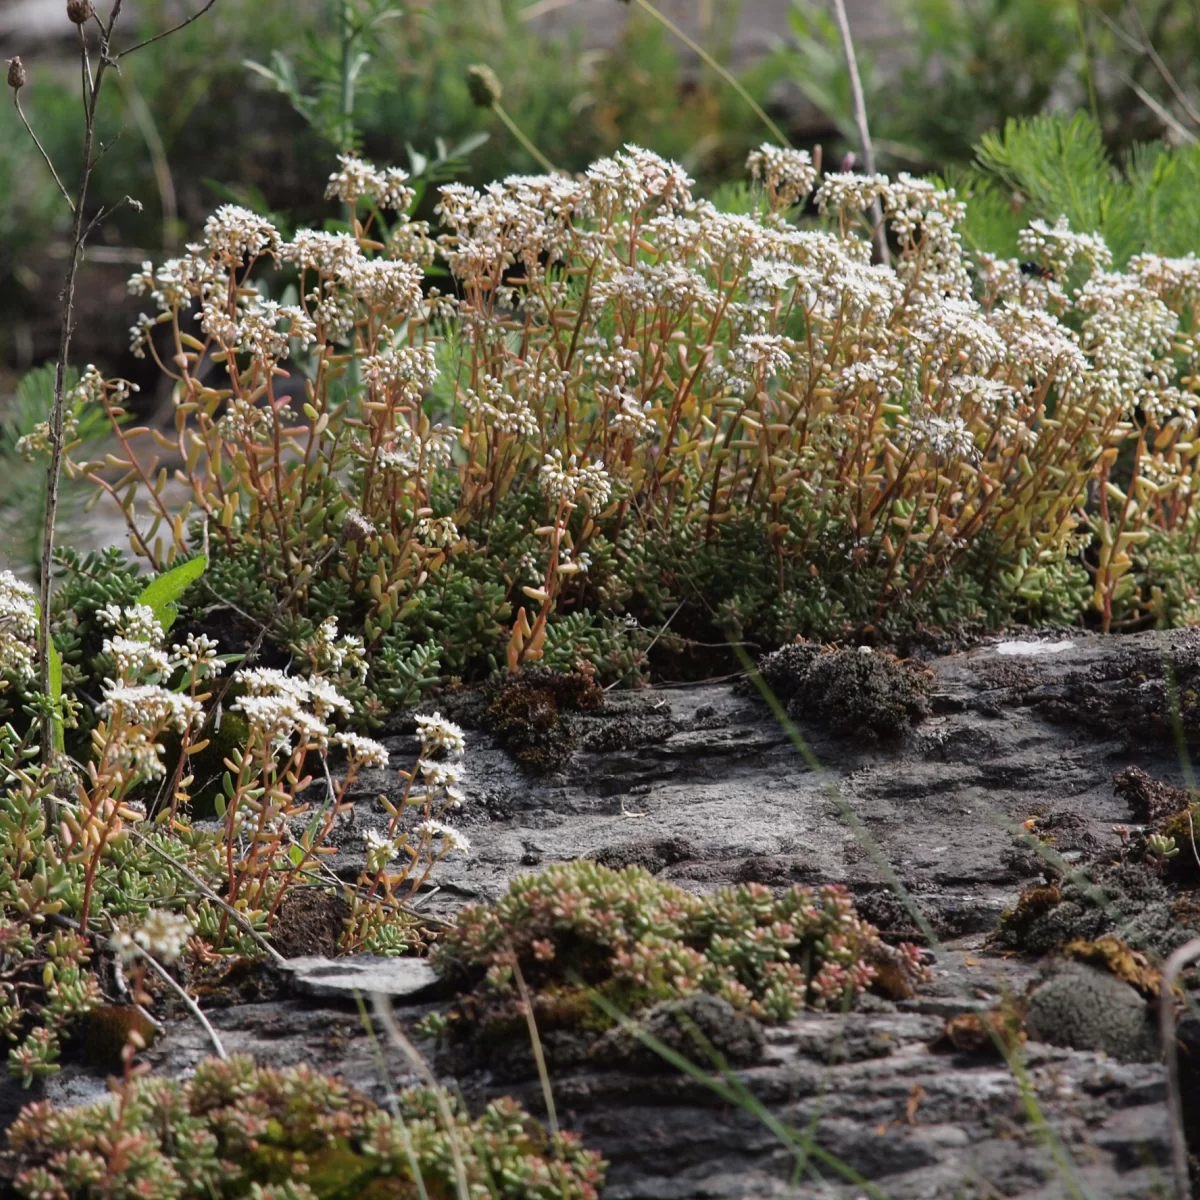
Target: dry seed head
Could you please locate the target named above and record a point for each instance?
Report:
(484, 85)
(79, 11)
(16, 74)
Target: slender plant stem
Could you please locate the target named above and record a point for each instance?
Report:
(66, 329)
(860, 120)
(382, 1006)
(191, 1005)
(516, 131)
(1085, 38)
(81, 228)
(41, 150)
(722, 71)
(535, 1042)
(347, 35)
(166, 33)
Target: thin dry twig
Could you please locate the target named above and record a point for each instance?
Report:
(710, 62)
(208, 892)
(1161, 67)
(879, 232)
(41, 149)
(1163, 114)
(158, 37)
(1181, 958)
(92, 87)
(190, 1004)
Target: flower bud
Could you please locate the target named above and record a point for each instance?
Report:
(79, 11)
(16, 74)
(484, 85)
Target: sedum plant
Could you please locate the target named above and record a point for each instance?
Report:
(105, 858)
(237, 1131)
(638, 940)
(636, 402)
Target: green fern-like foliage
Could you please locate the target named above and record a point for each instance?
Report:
(1057, 165)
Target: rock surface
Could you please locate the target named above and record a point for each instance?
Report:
(341, 978)
(698, 784)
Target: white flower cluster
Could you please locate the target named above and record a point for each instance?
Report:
(332, 655)
(1059, 248)
(436, 531)
(451, 838)
(138, 713)
(568, 482)
(439, 734)
(163, 934)
(364, 751)
(847, 193)
(281, 707)
(358, 180)
(788, 175)
(199, 656)
(134, 648)
(18, 628)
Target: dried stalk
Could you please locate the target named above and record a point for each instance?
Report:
(382, 1005)
(81, 229)
(190, 1004)
(879, 233)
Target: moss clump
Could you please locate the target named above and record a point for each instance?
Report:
(1127, 900)
(637, 940)
(855, 691)
(993, 1033)
(531, 713)
(1033, 903)
(298, 1134)
(1151, 800)
(1114, 956)
(1088, 1009)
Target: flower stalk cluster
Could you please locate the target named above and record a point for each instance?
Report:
(633, 390)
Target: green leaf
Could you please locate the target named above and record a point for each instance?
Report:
(161, 594)
(56, 685)
(56, 694)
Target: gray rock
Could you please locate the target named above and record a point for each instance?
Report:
(698, 785)
(695, 1028)
(406, 979)
(1087, 1009)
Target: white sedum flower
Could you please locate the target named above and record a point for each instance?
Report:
(363, 750)
(451, 838)
(18, 627)
(437, 733)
